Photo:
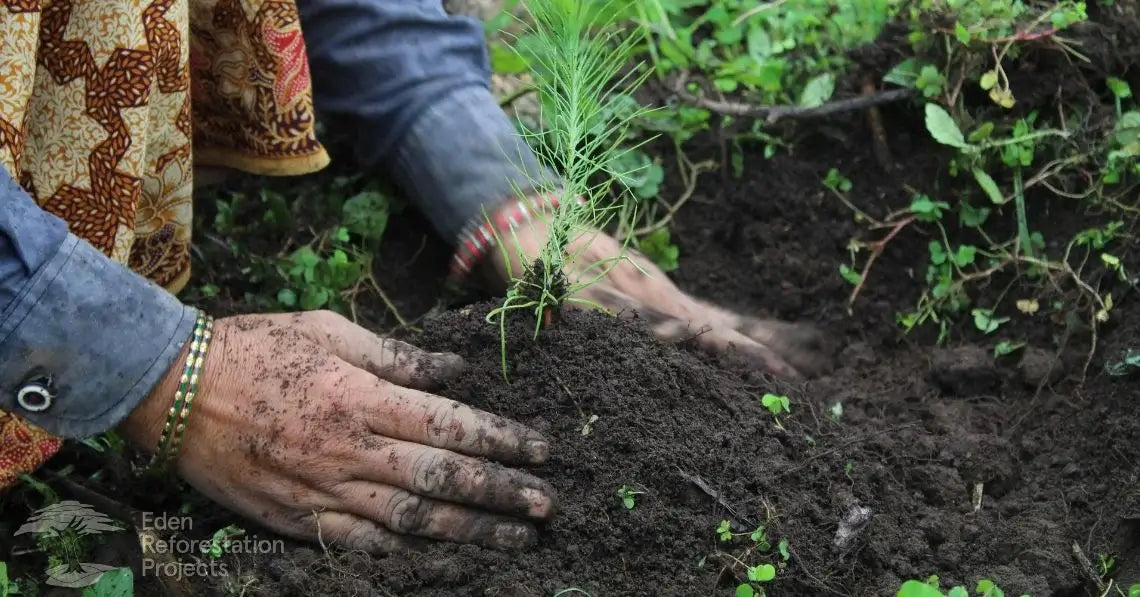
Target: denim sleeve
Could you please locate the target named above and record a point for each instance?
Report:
(94, 335)
(415, 83)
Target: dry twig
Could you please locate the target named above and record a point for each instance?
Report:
(774, 113)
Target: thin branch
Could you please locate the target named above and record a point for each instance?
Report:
(774, 113)
(748, 14)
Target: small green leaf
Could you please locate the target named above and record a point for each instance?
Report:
(287, 297)
(985, 321)
(989, 186)
(366, 214)
(726, 84)
(506, 61)
(971, 216)
(745, 590)
(904, 73)
(776, 404)
(965, 255)
(962, 34)
(314, 297)
(943, 128)
(118, 582)
(982, 133)
(657, 246)
(762, 573)
(5, 584)
(817, 91)
(770, 75)
(1119, 88)
(1004, 348)
(724, 530)
(927, 209)
(759, 44)
(782, 547)
(916, 588)
(853, 277)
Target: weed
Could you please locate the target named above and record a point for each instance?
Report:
(221, 540)
(117, 582)
(628, 495)
(656, 246)
(1105, 564)
(836, 411)
(754, 575)
(7, 586)
(776, 52)
(776, 404)
(931, 588)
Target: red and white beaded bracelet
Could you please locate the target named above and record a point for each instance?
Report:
(478, 237)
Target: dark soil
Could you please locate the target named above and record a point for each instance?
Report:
(1058, 462)
(920, 428)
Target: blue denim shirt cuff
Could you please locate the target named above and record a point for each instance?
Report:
(104, 335)
(463, 154)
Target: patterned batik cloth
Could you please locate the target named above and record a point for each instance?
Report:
(106, 106)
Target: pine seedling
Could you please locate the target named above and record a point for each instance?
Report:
(577, 56)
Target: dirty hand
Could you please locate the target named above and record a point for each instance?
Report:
(781, 348)
(316, 428)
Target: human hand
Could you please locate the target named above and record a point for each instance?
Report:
(316, 428)
(635, 285)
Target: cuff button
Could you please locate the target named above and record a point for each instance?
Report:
(36, 395)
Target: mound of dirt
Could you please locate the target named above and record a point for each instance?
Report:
(913, 477)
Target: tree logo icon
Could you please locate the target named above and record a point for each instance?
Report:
(72, 518)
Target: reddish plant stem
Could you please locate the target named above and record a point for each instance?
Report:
(1020, 36)
(877, 249)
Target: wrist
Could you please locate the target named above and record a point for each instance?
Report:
(480, 238)
(143, 427)
(157, 425)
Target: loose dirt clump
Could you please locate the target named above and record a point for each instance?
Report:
(910, 480)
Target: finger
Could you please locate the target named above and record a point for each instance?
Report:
(727, 340)
(435, 473)
(348, 530)
(672, 329)
(387, 358)
(620, 303)
(806, 347)
(414, 515)
(414, 416)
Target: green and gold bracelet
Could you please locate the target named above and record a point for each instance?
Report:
(171, 438)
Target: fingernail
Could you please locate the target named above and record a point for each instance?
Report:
(538, 503)
(536, 450)
(512, 535)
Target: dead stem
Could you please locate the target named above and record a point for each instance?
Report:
(387, 301)
(877, 249)
(690, 180)
(878, 131)
(774, 113)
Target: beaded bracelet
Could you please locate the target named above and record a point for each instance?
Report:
(478, 237)
(171, 438)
